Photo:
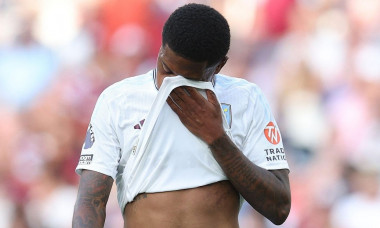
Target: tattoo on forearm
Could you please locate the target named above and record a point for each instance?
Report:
(234, 164)
(261, 188)
(94, 190)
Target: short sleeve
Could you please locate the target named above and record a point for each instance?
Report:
(263, 143)
(101, 149)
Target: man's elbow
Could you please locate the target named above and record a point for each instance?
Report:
(282, 213)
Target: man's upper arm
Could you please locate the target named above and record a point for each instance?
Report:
(263, 143)
(95, 184)
(101, 150)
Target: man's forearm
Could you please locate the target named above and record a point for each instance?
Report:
(90, 207)
(267, 192)
(87, 214)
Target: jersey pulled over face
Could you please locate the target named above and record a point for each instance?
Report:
(171, 64)
(116, 125)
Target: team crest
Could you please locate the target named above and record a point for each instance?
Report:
(227, 113)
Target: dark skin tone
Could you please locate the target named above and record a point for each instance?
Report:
(266, 191)
(90, 207)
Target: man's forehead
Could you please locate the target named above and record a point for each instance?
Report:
(178, 63)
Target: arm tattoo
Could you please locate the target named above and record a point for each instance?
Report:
(267, 191)
(93, 193)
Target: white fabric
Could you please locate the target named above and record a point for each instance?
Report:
(116, 125)
(169, 157)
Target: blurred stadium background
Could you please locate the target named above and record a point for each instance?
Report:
(317, 61)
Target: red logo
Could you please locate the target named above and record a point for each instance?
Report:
(272, 134)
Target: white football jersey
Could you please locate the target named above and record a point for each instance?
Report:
(172, 158)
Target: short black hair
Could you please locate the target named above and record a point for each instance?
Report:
(197, 32)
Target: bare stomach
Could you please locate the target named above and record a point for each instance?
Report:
(214, 205)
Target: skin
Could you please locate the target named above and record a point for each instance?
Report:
(266, 191)
(214, 205)
(93, 194)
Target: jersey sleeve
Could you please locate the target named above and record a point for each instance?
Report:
(101, 149)
(263, 143)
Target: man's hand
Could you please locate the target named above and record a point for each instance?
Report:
(266, 191)
(200, 115)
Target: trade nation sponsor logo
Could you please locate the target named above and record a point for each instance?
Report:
(272, 134)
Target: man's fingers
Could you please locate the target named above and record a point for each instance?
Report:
(195, 95)
(211, 97)
(177, 97)
(188, 95)
(173, 105)
(180, 91)
(193, 92)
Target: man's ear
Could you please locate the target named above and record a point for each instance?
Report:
(221, 65)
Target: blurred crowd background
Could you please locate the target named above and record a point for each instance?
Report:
(317, 61)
